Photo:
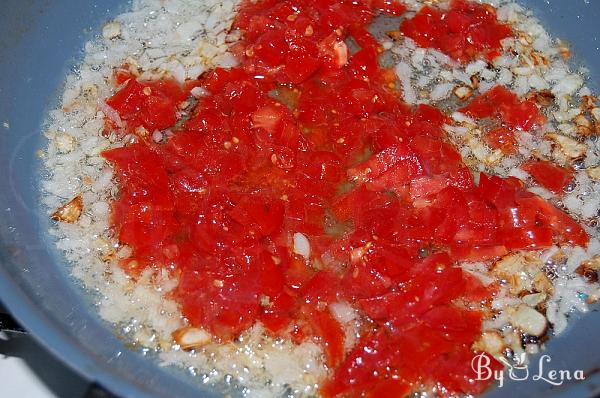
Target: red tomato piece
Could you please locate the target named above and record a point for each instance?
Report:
(507, 108)
(261, 214)
(367, 42)
(152, 105)
(476, 291)
(518, 217)
(278, 313)
(550, 176)
(501, 192)
(143, 214)
(219, 77)
(478, 252)
(503, 139)
(531, 238)
(121, 74)
(358, 372)
(227, 299)
(299, 66)
(375, 268)
(426, 186)
(565, 228)
(329, 334)
(391, 7)
(455, 373)
(429, 115)
(398, 156)
(129, 99)
(322, 288)
(334, 52)
(455, 324)
(465, 31)
(364, 64)
(436, 156)
(389, 389)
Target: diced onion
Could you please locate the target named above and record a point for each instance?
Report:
(301, 245)
(110, 113)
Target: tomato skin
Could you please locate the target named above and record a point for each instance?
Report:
(550, 176)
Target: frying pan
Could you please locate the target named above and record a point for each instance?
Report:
(39, 42)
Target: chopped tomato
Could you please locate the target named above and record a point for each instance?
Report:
(263, 214)
(565, 228)
(152, 105)
(301, 183)
(532, 237)
(227, 299)
(464, 32)
(392, 7)
(501, 104)
(359, 371)
(396, 157)
(478, 252)
(329, 334)
(550, 176)
(503, 139)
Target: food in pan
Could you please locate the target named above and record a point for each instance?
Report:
(335, 198)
